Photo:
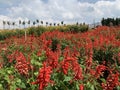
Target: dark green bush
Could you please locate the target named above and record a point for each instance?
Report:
(55, 42)
(104, 55)
(76, 28)
(19, 33)
(37, 31)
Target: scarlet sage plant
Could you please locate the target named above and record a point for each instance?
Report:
(21, 64)
(44, 75)
(62, 61)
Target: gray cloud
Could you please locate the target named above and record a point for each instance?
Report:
(58, 10)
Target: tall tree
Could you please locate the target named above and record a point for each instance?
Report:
(4, 24)
(23, 23)
(13, 23)
(41, 22)
(54, 24)
(8, 22)
(58, 24)
(117, 21)
(34, 23)
(37, 22)
(103, 21)
(29, 23)
(46, 24)
(19, 23)
(62, 22)
(50, 24)
(77, 23)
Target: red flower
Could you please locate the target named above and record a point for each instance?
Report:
(81, 87)
(111, 82)
(18, 89)
(52, 58)
(21, 64)
(99, 70)
(44, 76)
(65, 67)
(77, 71)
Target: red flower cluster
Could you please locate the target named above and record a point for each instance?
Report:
(77, 71)
(12, 56)
(21, 64)
(81, 87)
(44, 76)
(71, 63)
(111, 82)
(52, 58)
(99, 70)
(65, 67)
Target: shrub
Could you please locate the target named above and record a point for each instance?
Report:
(37, 31)
(76, 28)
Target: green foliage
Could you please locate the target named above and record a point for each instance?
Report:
(76, 28)
(10, 33)
(37, 31)
(55, 42)
(110, 21)
(9, 79)
(104, 55)
(19, 33)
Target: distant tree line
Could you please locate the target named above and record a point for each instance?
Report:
(110, 21)
(26, 24)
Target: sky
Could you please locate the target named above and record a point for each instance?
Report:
(69, 11)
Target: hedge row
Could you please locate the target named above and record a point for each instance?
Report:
(40, 29)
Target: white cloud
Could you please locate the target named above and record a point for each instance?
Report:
(62, 10)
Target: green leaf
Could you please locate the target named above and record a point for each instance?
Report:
(1, 87)
(103, 80)
(49, 87)
(9, 71)
(13, 86)
(22, 85)
(18, 81)
(61, 58)
(32, 61)
(77, 86)
(35, 73)
(88, 84)
(38, 63)
(118, 87)
(92, 87)
(67, 78)
(7, 79)
(63, 86)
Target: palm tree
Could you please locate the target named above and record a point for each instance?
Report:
(58, 24)
(50, 24)
(4, 24)
(8, 24)
(46, 24)
(62, 22)
(13, 23)
(77, 23)
(42, 22)
(54, 24)
(34, 23)
(29, 23)
(23, 23)
(37, 21)
(19, 23)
